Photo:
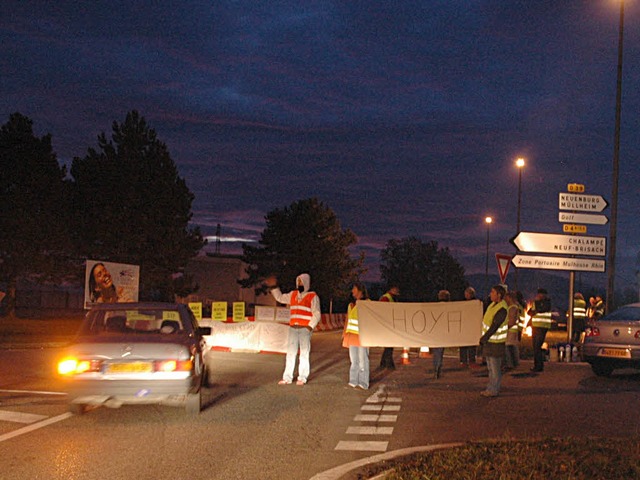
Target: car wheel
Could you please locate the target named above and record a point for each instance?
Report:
(602, 369)
(193, 403)
(77, 408)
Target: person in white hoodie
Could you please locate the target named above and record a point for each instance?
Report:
(305, 315)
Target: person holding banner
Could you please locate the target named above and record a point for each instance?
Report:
(305, 315)
(438, 352)
(358, 355)
(386, 361)
(492, 342)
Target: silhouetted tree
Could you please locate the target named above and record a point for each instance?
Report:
(132, 207)
(32, 206)
(304, 237)
(421, 269)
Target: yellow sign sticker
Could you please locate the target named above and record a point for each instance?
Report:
(238, 312)
(573, 228)
(219, 311)
(575, 188)
(196, 308)
(170, 315)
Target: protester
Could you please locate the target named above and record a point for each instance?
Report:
(358, 355)
(438, 352)
(579, 316)
(512, 344)
(540, 315)
(468, 354)
(386, 362)
(596, 308)
(305, 315)
(494, 328)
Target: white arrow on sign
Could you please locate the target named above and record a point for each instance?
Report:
(597, 219)
(581, 202)
(559, 263)
(557, 243)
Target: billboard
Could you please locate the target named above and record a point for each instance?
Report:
(108, 282)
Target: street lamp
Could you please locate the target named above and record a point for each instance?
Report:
(520, 164)
(488, 221)
(613, 225)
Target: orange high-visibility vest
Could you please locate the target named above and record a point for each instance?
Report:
(301, 314)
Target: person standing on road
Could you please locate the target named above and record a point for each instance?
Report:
(492, 342)
(358, 355)
(468, 354)
(386, 362)
(512, 350)
(438, 352)
(579, 316)
(305, 315)
(540, 324)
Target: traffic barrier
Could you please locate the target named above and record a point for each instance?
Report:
(424, 352)
(405, 356)
(331, 321)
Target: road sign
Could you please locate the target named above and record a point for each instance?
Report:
(559, 263)
(560, 244)
(503, 265)
(573, 228)
(575, 188)
(581, 202)
(568, 217)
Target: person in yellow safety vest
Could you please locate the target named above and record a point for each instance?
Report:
(304, 316)
(579, 316)
(596, 308)
(494, 335)
(514, 313)
(386, 361)
(359, 355)
(540, 315)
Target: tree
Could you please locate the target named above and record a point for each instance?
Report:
(305, 237)
(32, 206)
(421, 269)
(132, 207)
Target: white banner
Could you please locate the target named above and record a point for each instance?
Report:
(434, 324)
(254, 336)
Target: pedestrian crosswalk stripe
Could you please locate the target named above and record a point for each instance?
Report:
(383, 408)
(370, 430)
(362, 446)
(375, 399)
(19, 417)
(375, 418)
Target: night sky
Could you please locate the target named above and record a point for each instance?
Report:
(404, 117)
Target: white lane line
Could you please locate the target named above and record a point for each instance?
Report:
(380, 408)
(35, 426)
(375, 418)
(35, 392)
(18, 417)
(362, 446)
(370, 430)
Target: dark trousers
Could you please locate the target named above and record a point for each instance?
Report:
(468, 355)
(577, 329)
(538, 334)
(387, 358)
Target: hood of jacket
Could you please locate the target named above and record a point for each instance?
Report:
(305, 279)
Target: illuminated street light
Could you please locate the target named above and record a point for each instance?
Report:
(613, 225)
(520, 164)
(488, 221)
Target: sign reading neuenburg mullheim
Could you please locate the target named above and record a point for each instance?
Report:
(581, 202)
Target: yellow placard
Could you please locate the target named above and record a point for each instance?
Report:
(219, 311)
(196, 308)
(573, 228)
(170, 315)
(238, 312)
(575, 188)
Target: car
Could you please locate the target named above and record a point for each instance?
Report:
(136, 353)
(613, 341)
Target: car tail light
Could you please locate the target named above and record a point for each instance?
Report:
(173, 366)
(74, 366)
(592, 332)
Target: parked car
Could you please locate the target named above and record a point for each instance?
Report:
(613, 341)
(136, 353)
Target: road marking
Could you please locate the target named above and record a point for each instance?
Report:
(375, 418)
(375, 399)
(370, 430)
(35, 426)
(35, 392)
(378, 408)
(362, 446)
(18, 417)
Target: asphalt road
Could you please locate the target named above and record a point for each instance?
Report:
(253, 428)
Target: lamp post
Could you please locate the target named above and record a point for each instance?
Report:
(520, 164)
(613, 225)
(488, 221)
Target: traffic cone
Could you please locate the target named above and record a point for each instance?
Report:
(424, 352)
(405, 357)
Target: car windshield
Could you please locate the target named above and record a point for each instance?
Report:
(148, 321)
(630, 314)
